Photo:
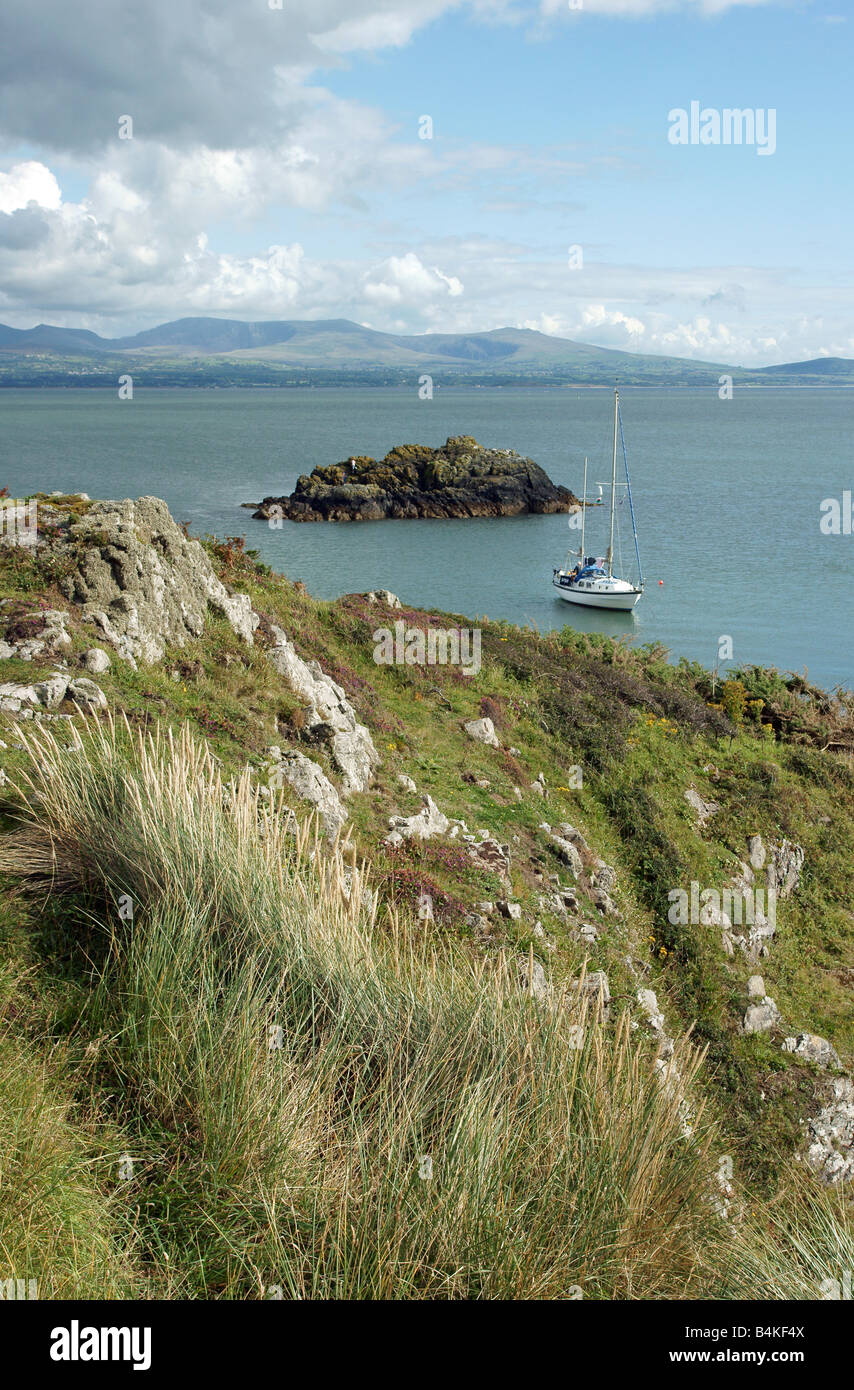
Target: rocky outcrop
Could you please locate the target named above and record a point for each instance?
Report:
(96, 661)
(384, 597)
(488, 854)
(329, 716)
(595, 987)
(761, 1017)
(649, 1006)
(413, 480)
(532, 978)
(482, 731)
(566, 851)
(48, 635)
(49, 693)
(704, 809)
(784, 869)
(813, 1049)
(426, 823)
(830, 1134)
(310, 783)
(143, 583)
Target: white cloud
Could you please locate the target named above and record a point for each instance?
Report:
(404, 280)
(596, 316)
(27, 183)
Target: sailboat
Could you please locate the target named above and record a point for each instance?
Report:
(592, 581)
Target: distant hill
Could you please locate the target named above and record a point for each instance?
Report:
(230, 351)
(816, 366)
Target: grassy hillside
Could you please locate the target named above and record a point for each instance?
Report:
(235, 1089)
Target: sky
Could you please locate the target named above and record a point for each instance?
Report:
(434, 166)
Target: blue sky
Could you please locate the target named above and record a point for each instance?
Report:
(276, 170)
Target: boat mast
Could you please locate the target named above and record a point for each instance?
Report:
(583, 508)
(613, 487)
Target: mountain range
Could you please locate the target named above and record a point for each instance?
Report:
(217, 349)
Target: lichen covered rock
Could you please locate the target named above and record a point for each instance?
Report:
(143, 583)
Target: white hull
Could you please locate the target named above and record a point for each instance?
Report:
(603, 593)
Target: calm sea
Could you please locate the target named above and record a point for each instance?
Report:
(727, 496)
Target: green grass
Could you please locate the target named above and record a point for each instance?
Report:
(300, 1165)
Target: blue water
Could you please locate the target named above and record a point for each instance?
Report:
(727, 496)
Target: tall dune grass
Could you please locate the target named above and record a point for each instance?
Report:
(322, 1104)
(797, 1247)
(58, 1228)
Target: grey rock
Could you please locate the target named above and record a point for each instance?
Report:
(575, 837)
(330, 718)
(604, 903)
(814, 1049)
(761, 1017)
(567, 853)
(595, 987)
(13, 697)
(310, 783)
(96, 661)
(510, 909)
(144, 584)
(406, 782)
(704, 809)
(756, 852)
(784, 868)
(587, 933)
(648, 1001)
(51, 691)
(830, 1134)
(533, 981)
(86, 692)
(756, 987)
(490, 855)
(482, 731)
(477, 922)
(384, 597)
(54, 632)
(552, 902)
(427, 822)
(603, 876)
